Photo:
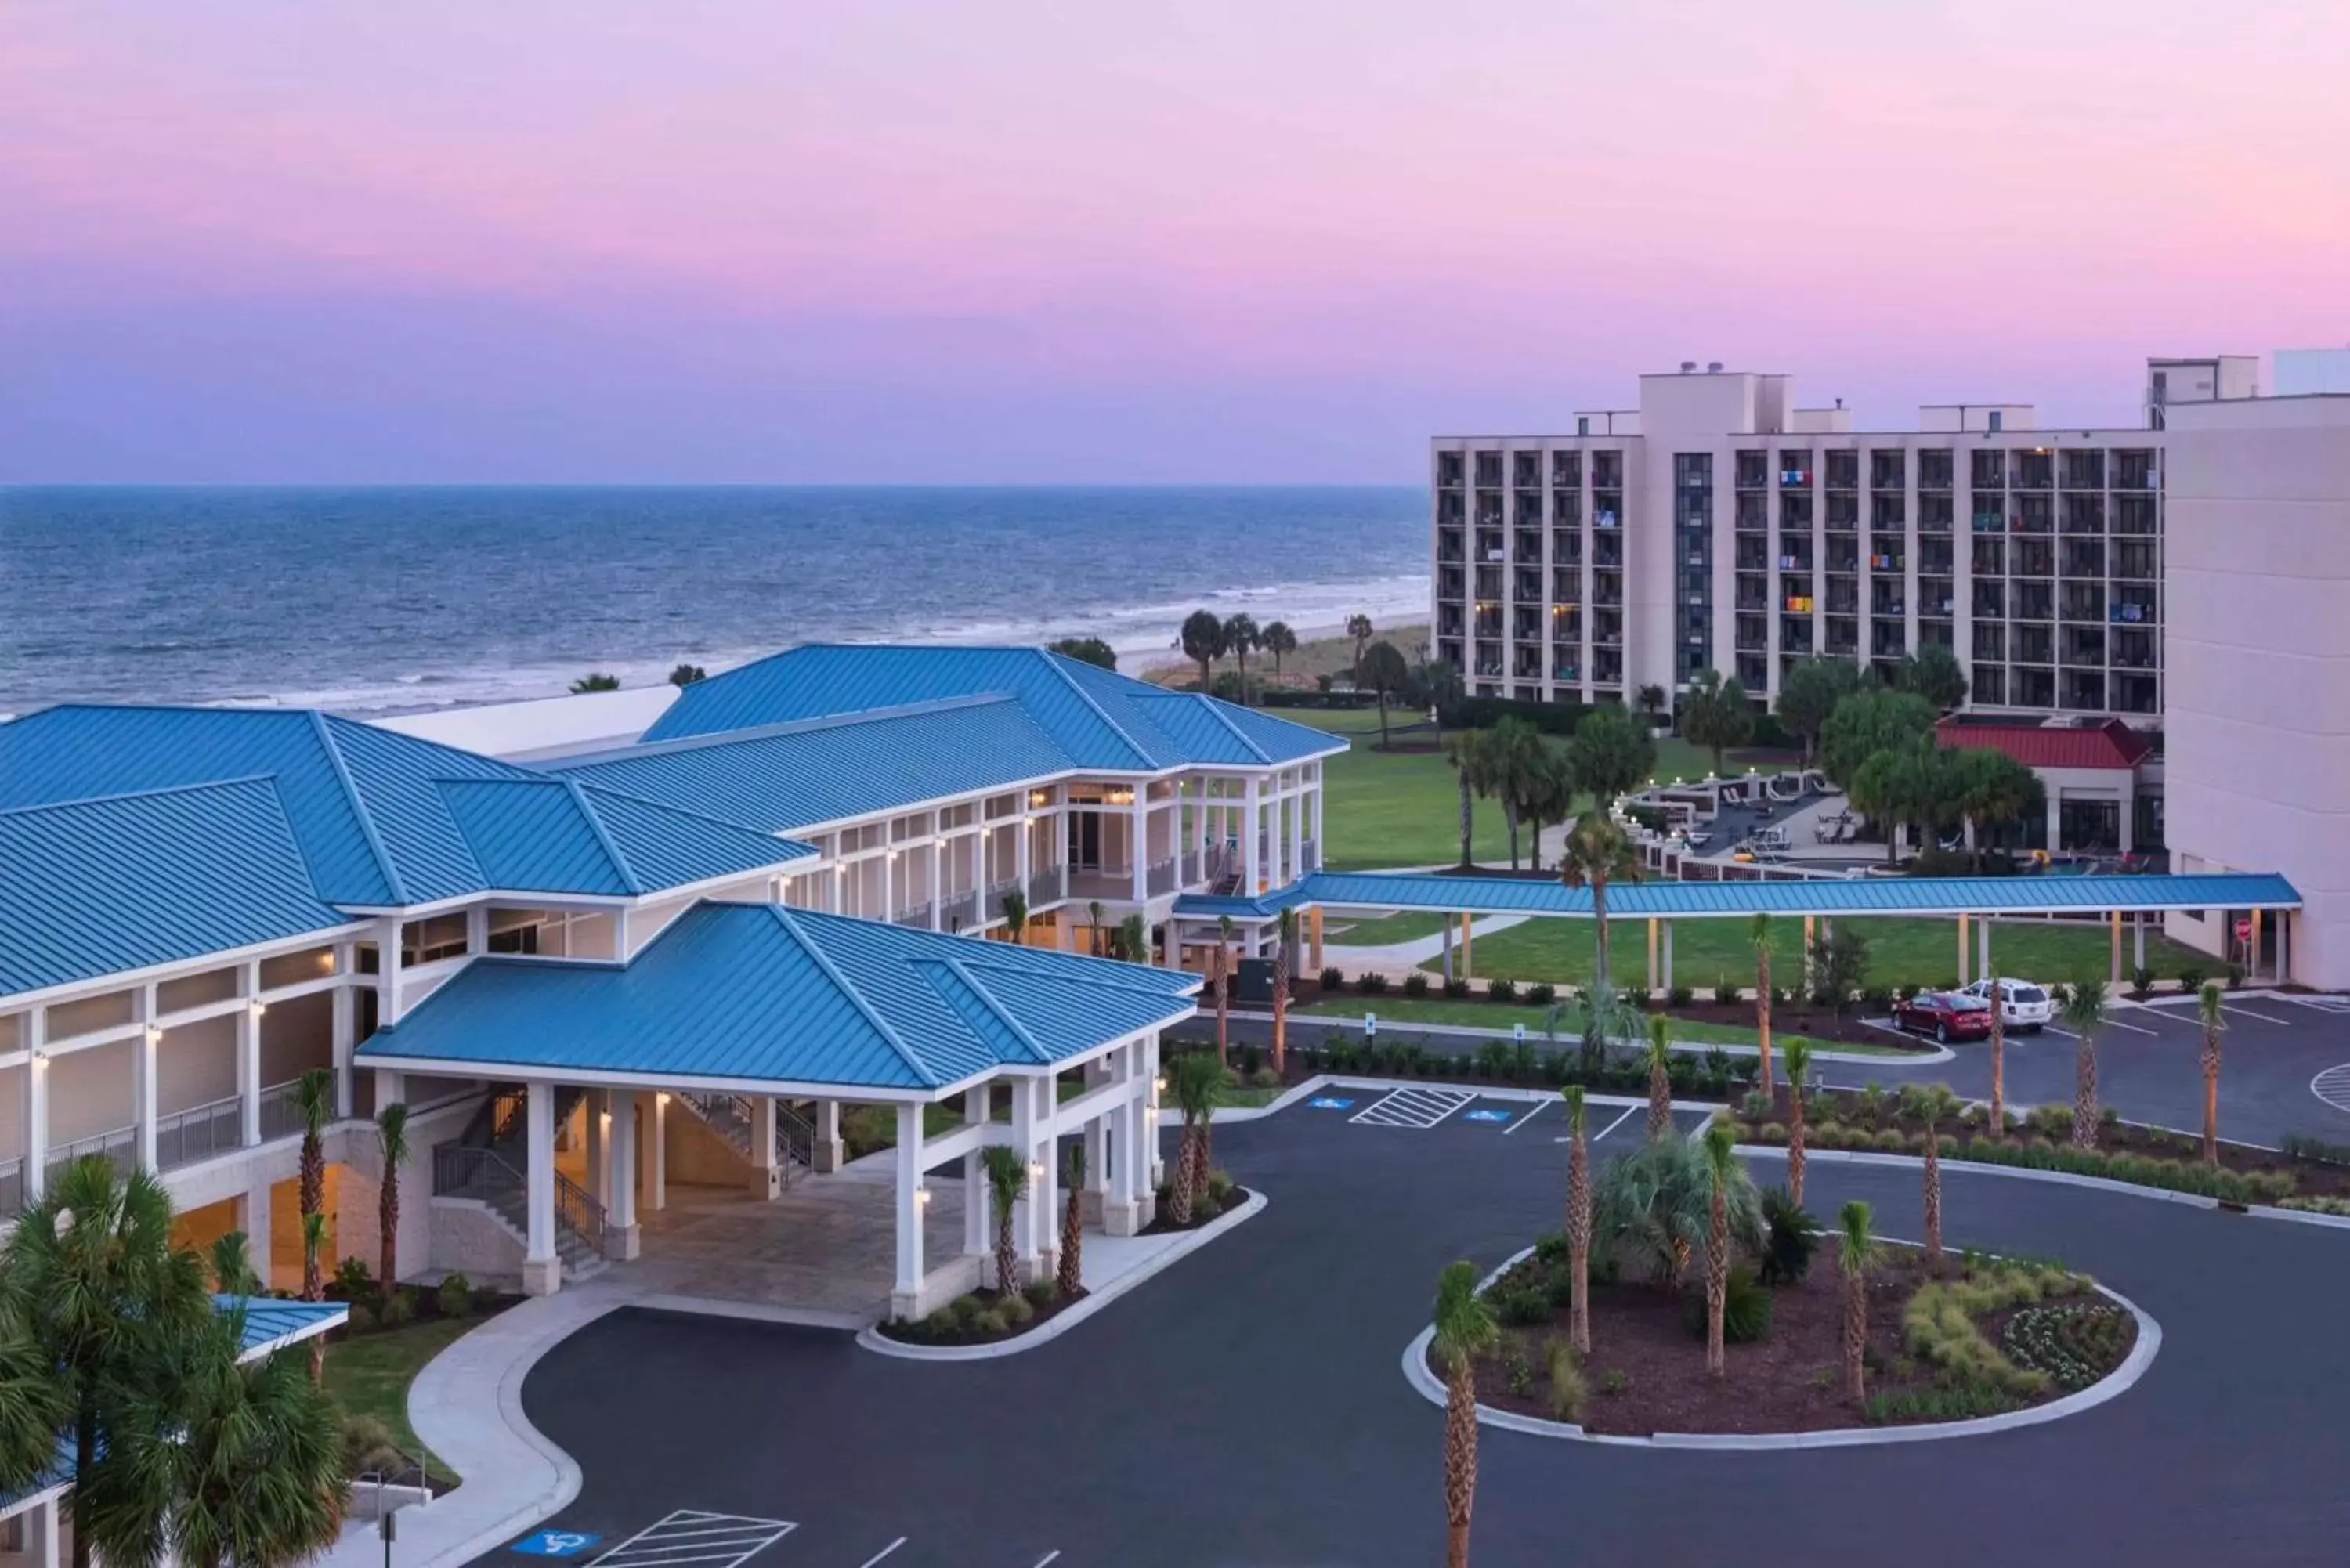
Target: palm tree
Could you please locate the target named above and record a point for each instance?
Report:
(2207, 1007)
(595, 682)
(1597, 852)
(1015, 916)
(2085, 1014)
(252, 1453)
(1600, 1017)
(1464, 1328)
(1852, 1230)
(1514, 761)
(1660, 1082)
(1204, 643)
(1388, 675)
(1224, 987)
(1007, 1182)
(1799, 1066)
(92, 1281)
(1716, 714)
(1284, 961)
(231, 1265)
(1070, 1273)
(1241, 638)
(392, 1138)
(1654, 1207)
(314, 1243)
(1758, 931)
(1094, 926)
(683, 675)
(1359, 631)
(1277, 639)
(1722, 1165)
(1471, 751)
(1134, 940)
(1578, 1223)
(313, 1102)
(1197, 1083)
(1935, 1103)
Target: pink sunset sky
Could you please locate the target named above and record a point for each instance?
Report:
(994, 241)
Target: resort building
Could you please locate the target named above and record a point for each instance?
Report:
(677, 958)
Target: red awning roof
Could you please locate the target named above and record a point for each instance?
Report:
(2112, 744)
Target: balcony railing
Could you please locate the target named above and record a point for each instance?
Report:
(120, 1145)
(198, 1132)
(916, 915)
(1160, 878)
(281, 1109)
(12, 1185)
(957, 910)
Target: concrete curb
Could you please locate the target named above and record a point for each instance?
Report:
(2112, 1386)
(874, 1340)
(466, 1407)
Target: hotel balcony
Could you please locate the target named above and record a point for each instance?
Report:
(1447, 470)
(1488, 470)
(2034, 645)
(1607, 512)
(1988, 557)
(2033, 558)
(1888, 470)
(2082, 646)
(1990, 642)
(1488, 582)
(1887, 639)
(1990, 517)
(1607, 671)
(1448, 621)
(1489, 623)
(1751, 469)
(2032, 471)
(2132, 607)
(1990, 600)
(1566, 511)
(2084, 513)
(2083, 602)
(1798, 559)
(1989, 685)
(1752, 553)
(1843, 596)
(2136, 471)
(2137, 514)
(1608, 551)
(1936, 559)
(2085, 470)
(1565, 585)
(1753, 671)
(1795, 634)
(1528, 512)
(1607, 471)
(1795, 474)
(1566, 470)
(1527, 586)
(1526, 547)
(2032, 601)
(2133, 649)
(2137, 562)
(1753, 635)
(1489, 546)
(1525, 470)
(1751, 512)
(1936, 598)
(1987, 470)
(1565, 548)
(1887, 511)
(1937, 469)
(1752, 594)
(1936, 514)
(2028, 688)
(2085, 690)
(1566, 624)
(1886, 599)
(1489, 511)
(1844, 555)
(1842, 512)
(1844, 470)
(2134, 694)
(2083, 559)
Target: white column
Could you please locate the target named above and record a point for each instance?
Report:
(620, 1238)
(1098, 1135)
(1296, 833)
(248, 1057)
(657, 1182)
(1023, 1139)
(477, 930)
(345, 1026)
(542, 1271)
(976, 1239)
(905, 1301)
(253, 1219)
(1020, 851)
(389, 1087)
(36, 1103)
(599, 1185)
(829, 1150)
(1140, 815)
(1149, 1049)
(1122, 1140)
(142, 1079)
(766, 1174)
(1250, 884)
(1319, 849)
(1045, 1174)
(387, 972)
(44, 1530)
(889, 881)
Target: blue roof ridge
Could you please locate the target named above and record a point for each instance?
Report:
(987, 999)
(770, 732)
(1054, 662)
(586, 808)
(1111, 976)
(1217, 709)
(334, 751)
(668, 809)
(268, 778)
(921, 1069)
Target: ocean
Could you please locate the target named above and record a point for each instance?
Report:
(396, 600)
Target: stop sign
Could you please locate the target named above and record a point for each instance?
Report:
(2244, 930)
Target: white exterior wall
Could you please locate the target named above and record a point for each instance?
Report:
(2259, 712)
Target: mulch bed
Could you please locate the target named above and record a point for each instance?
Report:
(1792, 1380)
(931, 1331)
(1162, 1226)
(2311, 1177)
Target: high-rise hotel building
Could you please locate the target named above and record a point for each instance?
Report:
(1720, 526)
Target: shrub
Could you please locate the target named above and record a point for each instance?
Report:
(1541, 993)
(2073, 1345)
(1523, 1306)
(1500, 990)
(1891, 1141)
(2191, 978)
(968, 1309)
(2235, 976)
(1787, 1251)
(1415, 984)
(1615, 1382)
(993, 1322)
(1568, 1392)
(1265, 1078)
(2315, 1204)
(1205, 1207)
(362, 1318)
(1679, 996)
(456, 1295)
(1745, 1308)
(371, 1447)
(1872, 1105)
(1371, 982)
(1332, 980)
(353, 1281)
(1755, 1106)
(1639, 996)
(1042, 1293)
(1961, 1401)
(397, 1308)
(1773, 1132)
(1878, 999)
(2142, 979)
(1252, 1055)
(2301, 1146)
(1219, 1184)
(1015, 1311)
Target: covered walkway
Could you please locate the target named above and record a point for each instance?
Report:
(2251, 899)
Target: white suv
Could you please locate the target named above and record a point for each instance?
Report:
(2023, 1004)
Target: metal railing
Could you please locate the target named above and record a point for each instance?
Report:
(469, 1170)
(1159, 876)
(912, 915)
(120, 1144)
(1047, 887)
(12, 1185)
(1309, 856)
(728, 1115)
(959, 910)
(575, 1210)
(199, 1132)
(281, 1111)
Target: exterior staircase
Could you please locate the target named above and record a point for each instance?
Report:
(730, 1116)
(486, 1164)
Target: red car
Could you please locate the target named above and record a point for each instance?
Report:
(1947, 1015)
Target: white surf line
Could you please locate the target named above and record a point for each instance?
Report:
(1524, 1119)
(884, 1552)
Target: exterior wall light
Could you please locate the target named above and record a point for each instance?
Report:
(259, 1007)
(922, 1196)
(1035, 1171)
(154, 1035)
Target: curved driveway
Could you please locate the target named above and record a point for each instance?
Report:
(1246, 1406)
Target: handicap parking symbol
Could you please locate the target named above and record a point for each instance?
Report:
(1486, 1116)
(1330, 1103)
(556, 1543)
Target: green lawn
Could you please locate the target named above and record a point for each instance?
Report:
(1403, 808)
(1405, 925)
(1392, 1009)
(368, 1375)
(1901, 951)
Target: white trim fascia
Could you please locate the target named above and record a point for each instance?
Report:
(308, 1331)
(177, 969)
(569, 902)
(525, 1071)
(56, 1494)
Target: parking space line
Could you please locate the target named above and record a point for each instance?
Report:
(2332, 1086)
(1048, 1557)
(1418, 1108)
(688, 1535)
(1619, 1122)
(1524, 1119)
(883, 1553)
(2263, 1017)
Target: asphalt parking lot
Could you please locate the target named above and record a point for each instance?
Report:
(1246, 1406)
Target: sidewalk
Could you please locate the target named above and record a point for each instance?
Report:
(1411, 954)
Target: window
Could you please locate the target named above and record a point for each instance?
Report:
(1997, 422)
(1583, 424)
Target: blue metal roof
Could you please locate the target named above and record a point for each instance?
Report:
(380, 819)
(271, 1324)
(754, 993)
(784, 776)
(1096, 718)
(1855, 896)
(99, 886)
